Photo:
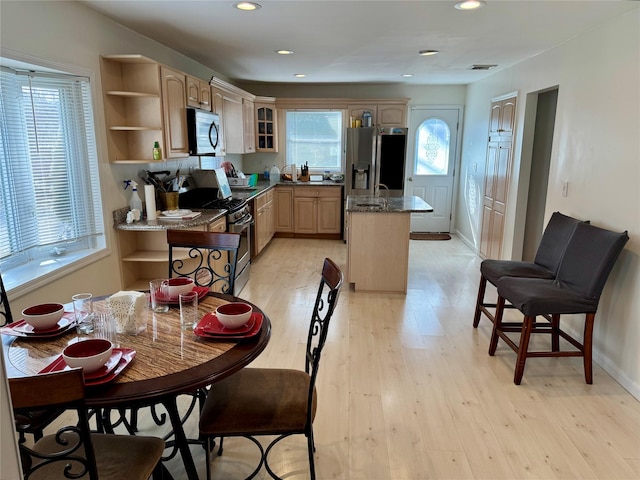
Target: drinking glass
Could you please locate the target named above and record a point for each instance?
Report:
(188, 310)
(104, 326)
(156, 292)
(83, 308)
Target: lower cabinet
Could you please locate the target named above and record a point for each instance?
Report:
(283, 221)
(317, 210)
(264, 221)
(144, 254)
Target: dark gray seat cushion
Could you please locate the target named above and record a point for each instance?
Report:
(552, 246)
(590, 255)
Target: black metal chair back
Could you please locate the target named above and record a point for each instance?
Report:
(72, 450)
(5, 310)
(326, 300)
(211, 258)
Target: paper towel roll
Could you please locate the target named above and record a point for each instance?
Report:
(150, 201)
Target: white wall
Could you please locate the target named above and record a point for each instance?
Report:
(68, 33)
(595, 148)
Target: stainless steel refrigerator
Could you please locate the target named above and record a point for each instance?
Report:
(375, 155)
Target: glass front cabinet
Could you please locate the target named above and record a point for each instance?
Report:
(266, 127)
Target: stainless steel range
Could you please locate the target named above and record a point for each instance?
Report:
(239, 220)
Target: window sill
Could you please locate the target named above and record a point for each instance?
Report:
(24, 279)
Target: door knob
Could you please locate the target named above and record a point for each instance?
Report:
(410, 179)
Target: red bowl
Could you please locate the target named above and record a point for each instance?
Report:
(234, 315)
(90, 354)
(43, 316)
(178, 285)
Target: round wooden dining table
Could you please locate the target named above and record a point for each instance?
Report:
(168, 362)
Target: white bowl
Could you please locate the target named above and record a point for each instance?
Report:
(43, 316)
(175, 286)
(234, 315)
(90, 354)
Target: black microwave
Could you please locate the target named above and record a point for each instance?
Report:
(205, 135)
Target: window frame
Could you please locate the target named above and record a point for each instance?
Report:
(318, 170)
(21, 280)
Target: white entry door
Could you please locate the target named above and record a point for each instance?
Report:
(432, 149)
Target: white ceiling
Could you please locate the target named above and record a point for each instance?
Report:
(358, 41)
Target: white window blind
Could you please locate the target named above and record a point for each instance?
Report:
(50, 203)
(315, 137)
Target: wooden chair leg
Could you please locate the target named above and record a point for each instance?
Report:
(555, 336)
(481, 289)
(586, 345)
(497, 326)
(527, 325)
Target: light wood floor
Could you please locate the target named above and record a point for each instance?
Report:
(407, 390)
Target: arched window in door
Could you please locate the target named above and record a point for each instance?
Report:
(432, 148)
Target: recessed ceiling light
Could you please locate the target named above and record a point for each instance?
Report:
(470, 4)
(284, 52)
(247, 6)
(299, 75)
(407, 75)
(426, 53)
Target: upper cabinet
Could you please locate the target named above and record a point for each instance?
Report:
(143, 106)
(266, 126)
(198, 94)
(235, 107)
(503, 114)
(248, 127)
(382, 114)
(174, 105)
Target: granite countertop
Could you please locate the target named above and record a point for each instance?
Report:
(248, 193)
(208, 216)
(370, 204)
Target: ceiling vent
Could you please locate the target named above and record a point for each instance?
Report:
(482, 67)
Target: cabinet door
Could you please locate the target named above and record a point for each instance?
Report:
(217, 106)
(502, 119)
(198, 93)
(232, 123)
(392, 115)
(205, 97)
(175, 116)
(193, 91)
(266, 128)
(248, 126)
(283, 209)
(305, 213)
(329, 218)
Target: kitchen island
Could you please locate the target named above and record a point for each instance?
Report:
(378, 241)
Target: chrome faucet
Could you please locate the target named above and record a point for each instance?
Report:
(377, 193)
(377, 189)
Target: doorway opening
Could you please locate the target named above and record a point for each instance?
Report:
(539, 129)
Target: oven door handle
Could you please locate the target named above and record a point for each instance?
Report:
(239, 226)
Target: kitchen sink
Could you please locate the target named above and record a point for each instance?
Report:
(377, 203)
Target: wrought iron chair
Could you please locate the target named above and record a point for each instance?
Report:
(586, 264)
(545, 264)
(211, 258)
(73, 451)
(282, 402)
(39, 418)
